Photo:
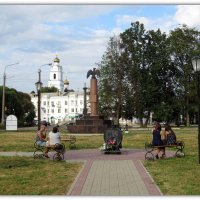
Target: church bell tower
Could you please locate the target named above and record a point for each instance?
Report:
(56, 76)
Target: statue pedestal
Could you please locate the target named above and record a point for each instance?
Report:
(89, 124)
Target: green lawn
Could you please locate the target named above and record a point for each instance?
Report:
(28, 176)
(24, 141)
(174, 176)
(178, 176)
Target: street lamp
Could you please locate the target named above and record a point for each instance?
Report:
(38, 88)
(196, 66)
(3, 96)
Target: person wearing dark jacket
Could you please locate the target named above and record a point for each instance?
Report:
(157, 140)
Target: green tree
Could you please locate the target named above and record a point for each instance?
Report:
(49, 89)
(183, 46)
(148, 71)
(134, 44)
(17, 103)
(111, 82)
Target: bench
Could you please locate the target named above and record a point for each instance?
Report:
(71, 140)
(179, 146)
(58, 148)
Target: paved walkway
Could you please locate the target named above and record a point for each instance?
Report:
(108, 174)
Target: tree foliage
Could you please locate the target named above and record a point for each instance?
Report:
(149, 71)
(18, 104)
(49, 89)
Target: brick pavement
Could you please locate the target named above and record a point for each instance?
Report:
(112, 174)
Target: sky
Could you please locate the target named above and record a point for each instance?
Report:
(32, 35)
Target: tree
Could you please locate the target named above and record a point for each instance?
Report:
(183, 46)
(29, 118)
(17, 103)
(150, 72)
(147, 69)
(111, 82)
(49, 89)
(134, 44)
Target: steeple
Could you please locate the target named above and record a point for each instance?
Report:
(56, 75)
(56, 59)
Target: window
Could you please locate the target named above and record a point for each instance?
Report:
(54, 76)
(65, 102)
(59, 103)
(47, 103)
(76, 110)
(65, 110)
(76, 102)
(48, 111)
(72, 102)
(52, 103)
(59, 110)
(52, 110)
(81, 102)
(81, 109)
(72, 110)
(44, 103)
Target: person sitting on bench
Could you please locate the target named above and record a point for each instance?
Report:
(41, 135)
(157, 140)
(53, 138)
(169, 135)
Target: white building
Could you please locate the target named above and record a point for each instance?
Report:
(56, 76)
(61, 106)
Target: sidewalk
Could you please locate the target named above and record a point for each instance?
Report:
(112, 175)
(108, 174)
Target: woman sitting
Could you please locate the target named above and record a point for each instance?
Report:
(170, 135)
(54, 138)
(157, 140)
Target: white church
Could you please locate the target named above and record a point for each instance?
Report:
(62, 106)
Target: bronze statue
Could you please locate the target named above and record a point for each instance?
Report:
(93, 73)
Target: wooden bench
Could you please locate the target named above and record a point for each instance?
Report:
(71, 140)
(179, 146)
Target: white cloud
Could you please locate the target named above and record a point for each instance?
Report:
(32, 35)
(165, 23)
(188, 14)
(128, 19)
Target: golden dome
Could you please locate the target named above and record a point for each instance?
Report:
(57, 59)
(66, 82)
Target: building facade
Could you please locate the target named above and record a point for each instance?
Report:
(62, 106)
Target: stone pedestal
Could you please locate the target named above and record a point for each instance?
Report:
(89, 124)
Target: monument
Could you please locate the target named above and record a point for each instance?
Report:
(92, 123)
(93, 91)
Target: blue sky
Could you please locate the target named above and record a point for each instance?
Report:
(32, 34)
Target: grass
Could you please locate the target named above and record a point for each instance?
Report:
(23, 141)
(26, 176)
(178, 176)
(174, 176)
